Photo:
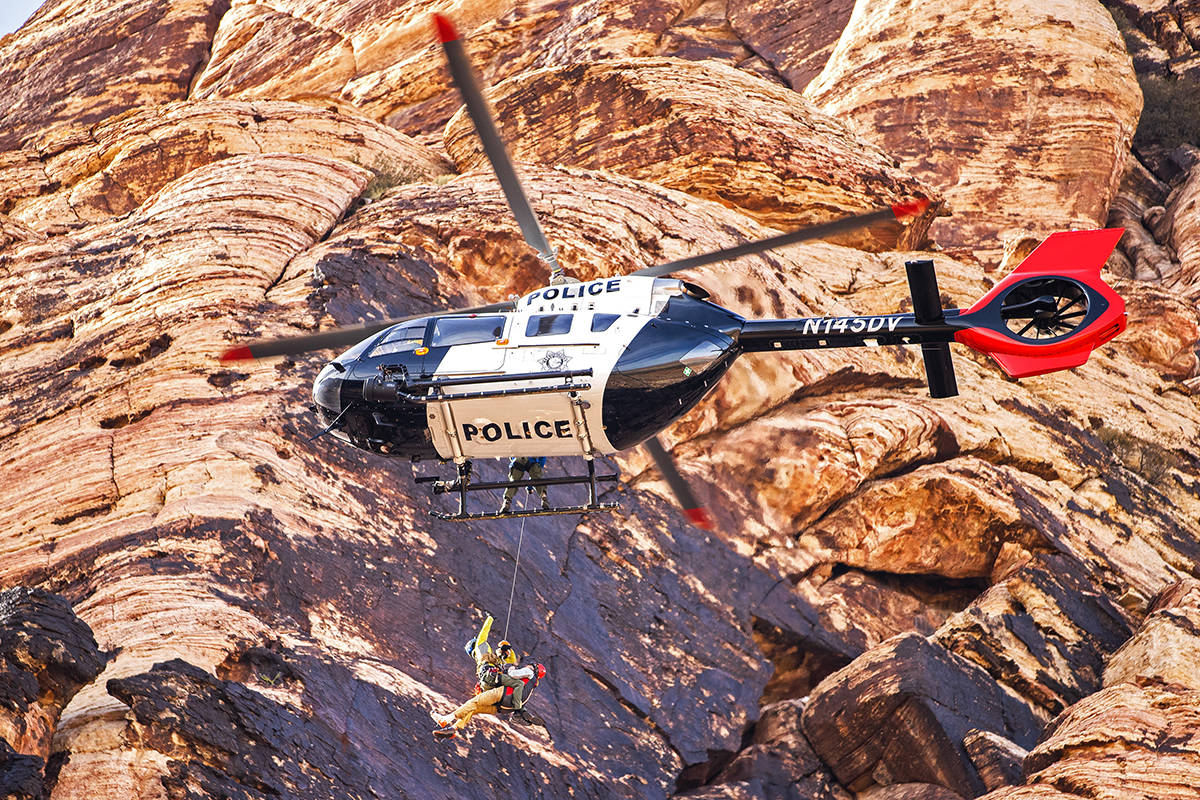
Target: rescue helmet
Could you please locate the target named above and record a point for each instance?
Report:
(507, 653)
(470, 648)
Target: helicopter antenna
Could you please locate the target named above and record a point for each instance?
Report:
(493, 146)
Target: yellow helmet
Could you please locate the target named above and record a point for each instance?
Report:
(507, 653)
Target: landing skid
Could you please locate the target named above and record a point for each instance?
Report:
(529, 512)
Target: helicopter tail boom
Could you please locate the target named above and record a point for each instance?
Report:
(1049, 314)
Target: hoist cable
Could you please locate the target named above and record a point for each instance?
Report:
(516, 564)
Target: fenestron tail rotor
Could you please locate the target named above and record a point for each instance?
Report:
(1045, 308)
(1052, 311)
(493, 146)
(337, 338)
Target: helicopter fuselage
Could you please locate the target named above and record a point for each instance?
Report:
(587, 368)
(575, 369)
(593, 368)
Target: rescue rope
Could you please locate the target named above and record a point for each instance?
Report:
(516, 564)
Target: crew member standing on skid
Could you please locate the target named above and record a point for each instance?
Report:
(518, 466)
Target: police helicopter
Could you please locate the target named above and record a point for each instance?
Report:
(589, 369)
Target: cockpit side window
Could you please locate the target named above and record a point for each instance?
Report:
(403, 338)
(548, 325)
(449, 331)
(602, 322)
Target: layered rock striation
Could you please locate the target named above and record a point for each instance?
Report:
(904, 597)
(682, 125)
(987, 106)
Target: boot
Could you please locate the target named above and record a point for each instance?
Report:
(506, 506)
(545, 503)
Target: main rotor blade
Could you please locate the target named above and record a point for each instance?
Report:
(339, 337)
(899, 211)
(695, 512)
(493, 145)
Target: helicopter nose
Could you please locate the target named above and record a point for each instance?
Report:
(327, 389)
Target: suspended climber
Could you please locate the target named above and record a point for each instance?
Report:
(503, 685)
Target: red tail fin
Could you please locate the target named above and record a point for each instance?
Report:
(1076, 257)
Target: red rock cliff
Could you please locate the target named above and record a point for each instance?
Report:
(905, 597)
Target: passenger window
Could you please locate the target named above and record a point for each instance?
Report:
(602, 322)
(548, 324)
(466, 330)
(403, 338)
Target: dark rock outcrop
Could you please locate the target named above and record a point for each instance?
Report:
(46, 655)
(900, 713)
(997, 759)
(225, 740)
(20, 775)
(775, 762)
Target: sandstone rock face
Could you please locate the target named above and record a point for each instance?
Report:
(1110, 744)
(1157, 198)
(1183, 211)
(76, 62)
(1042, 99)
(113, 167)
(997, 759)
(682, 125)
(909, 791)
(777, 762)
(1164, 648)
(794, 37)
(902, 712)
(946, 581)
(382, 60)
(1138, 208)
(706, 33)
(1166, 35)
(184, 508)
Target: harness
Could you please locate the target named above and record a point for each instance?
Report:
(489, 675)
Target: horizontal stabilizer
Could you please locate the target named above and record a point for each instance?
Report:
(1028, 366)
